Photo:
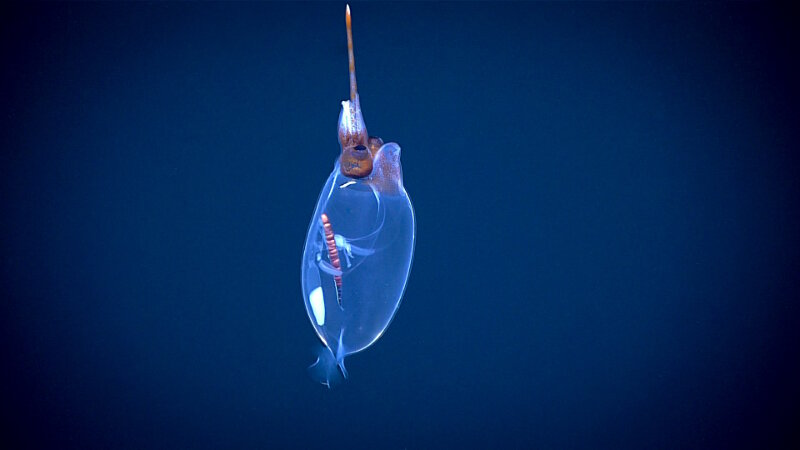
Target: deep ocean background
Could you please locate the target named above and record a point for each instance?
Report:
(607, 224)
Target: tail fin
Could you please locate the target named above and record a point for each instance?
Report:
(329, 369)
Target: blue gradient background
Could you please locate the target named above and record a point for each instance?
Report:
(607, 203)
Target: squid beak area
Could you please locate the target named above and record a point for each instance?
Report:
(356, 161)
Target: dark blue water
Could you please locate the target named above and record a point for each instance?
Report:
(607, 205)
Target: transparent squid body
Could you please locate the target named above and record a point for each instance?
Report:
(357, 259)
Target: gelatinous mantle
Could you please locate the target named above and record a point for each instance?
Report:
(354, 274)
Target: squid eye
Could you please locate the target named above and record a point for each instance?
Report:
(360, 148)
